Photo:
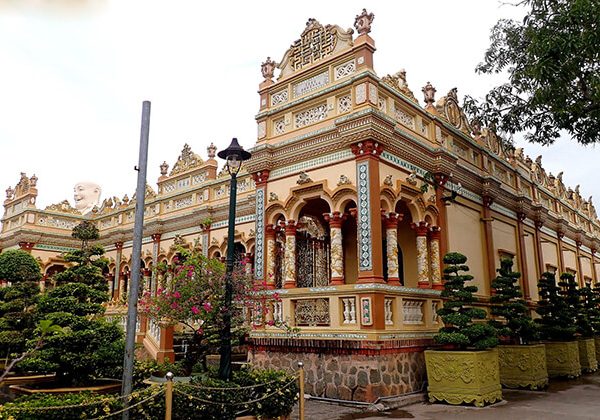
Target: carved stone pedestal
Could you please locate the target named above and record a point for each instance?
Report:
(562, 359)
(587, 355)
(457, 377)
(523, 366)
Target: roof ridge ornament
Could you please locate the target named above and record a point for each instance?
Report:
(267, 69)
(363, 22)
(187, 160)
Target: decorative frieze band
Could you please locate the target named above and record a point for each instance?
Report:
(260, 233)
(365, 251)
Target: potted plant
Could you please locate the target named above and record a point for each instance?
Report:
(468, 371)
(557, 329)
(586, 309)
(522, 364)
(593, 306)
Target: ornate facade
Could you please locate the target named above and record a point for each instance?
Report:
(353, 193)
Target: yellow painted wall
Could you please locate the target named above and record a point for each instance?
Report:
(550, 252)
(586, 267)
(465, 235)
(570, 259)
(505, 238)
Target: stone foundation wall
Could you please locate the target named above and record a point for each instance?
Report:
(357, 377)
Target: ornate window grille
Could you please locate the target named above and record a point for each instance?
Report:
(312, 312)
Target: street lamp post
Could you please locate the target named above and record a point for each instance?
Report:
(234, 155)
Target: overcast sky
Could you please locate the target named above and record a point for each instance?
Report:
(74, 73)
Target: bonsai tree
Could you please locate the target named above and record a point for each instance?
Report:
(457, 312)
(591, 301)
(89, 346)
(17, 301)
(18, 266)
(582, 299)
(88, 261)
(508, 305)
(556, 320)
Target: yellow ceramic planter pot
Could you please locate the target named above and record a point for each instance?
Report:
(562, 359)
(587, 355)
(523, 366)
(458, 377)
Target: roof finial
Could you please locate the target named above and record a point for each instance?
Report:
(363, 22)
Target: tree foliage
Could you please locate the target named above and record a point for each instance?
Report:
(553, 65)
(590, 309)
(17, 265)
(508, 305)
(458, 312)
(17, 316)
(557, 319)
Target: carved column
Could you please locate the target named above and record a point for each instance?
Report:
(205, 239)
(260, 260)
(391, 234)
(523, 256)
(248, 263)
(289, 281)
(155, 250)
(422, 267)
(335, 220)
(594, 277)
(117, 282)
(435, 257)
(270, 234)
(440, 181)
(580, 278)
(538, 246)
(561, 258)
(487, 220)
(370, 243)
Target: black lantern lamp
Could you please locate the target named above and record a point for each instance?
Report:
(234, 155)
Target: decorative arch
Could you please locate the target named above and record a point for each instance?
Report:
(300, 197)
(388, 198)
(273, 212)
(341, 196)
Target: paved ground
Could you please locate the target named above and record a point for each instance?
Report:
(565, 400)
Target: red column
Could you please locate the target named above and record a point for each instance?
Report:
(523, 257)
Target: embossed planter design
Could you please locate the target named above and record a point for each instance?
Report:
(523, 366)
(562, 359)
(587, 355)
(458, 377)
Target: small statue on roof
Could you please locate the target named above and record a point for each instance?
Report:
(363, 22)
(268, 69)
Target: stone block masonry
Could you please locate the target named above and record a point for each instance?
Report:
(361, 374)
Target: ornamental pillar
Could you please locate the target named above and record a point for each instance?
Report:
(422, 267)
(391, 234)
(487, 220)
(441, 179)
(594, 279)
(335, 220)
(370, 232)
(289, 276)
(248, 263)
(538, 247)
(117, 281)
(523, 256)
(270, 234)
(561, 258)
(435, 235)
(580, 279)
(155, 250)
(260, 261)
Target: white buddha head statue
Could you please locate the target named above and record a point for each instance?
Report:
(86, 195)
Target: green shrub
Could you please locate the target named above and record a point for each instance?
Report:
(557, 321)
(18, 266)
(509, 306)
(458, 313)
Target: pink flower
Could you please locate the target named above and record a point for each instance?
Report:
(207, 306)
(195, 310)
(174, 305)
(176, 295)
(271, 322)
(190, 273)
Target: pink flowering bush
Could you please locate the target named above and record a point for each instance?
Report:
(193, 294)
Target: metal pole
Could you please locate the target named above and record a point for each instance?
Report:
(225, 351)
(169, 396)
(301, 391)
(136, 256)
